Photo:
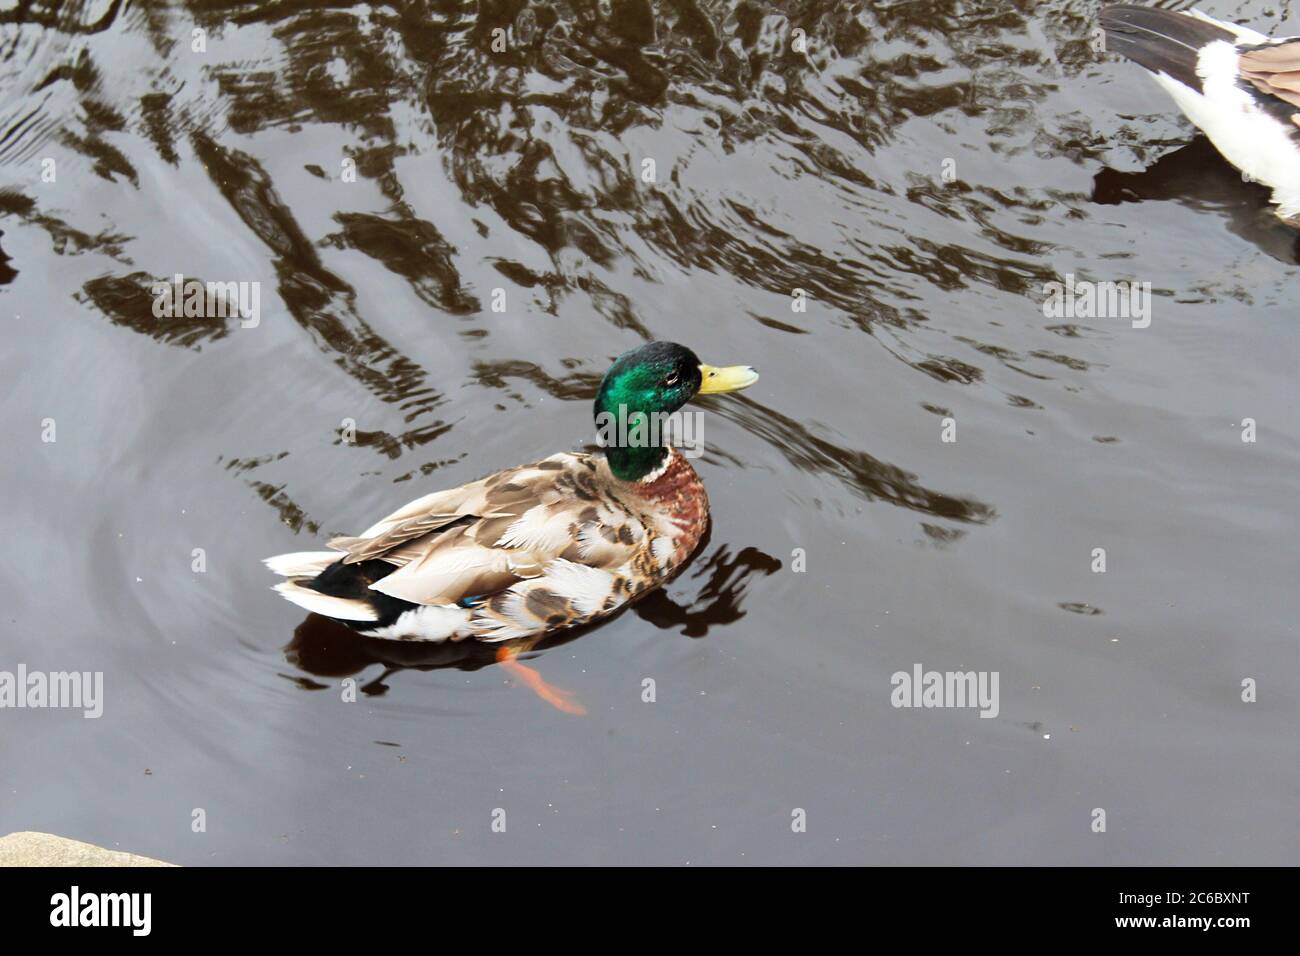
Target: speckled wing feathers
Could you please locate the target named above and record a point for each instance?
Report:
(529, 549)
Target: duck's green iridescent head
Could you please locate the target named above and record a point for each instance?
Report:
(654, 380)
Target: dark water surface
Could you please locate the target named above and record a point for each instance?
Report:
(522, 171)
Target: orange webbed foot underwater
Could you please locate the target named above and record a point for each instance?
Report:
(557, 697)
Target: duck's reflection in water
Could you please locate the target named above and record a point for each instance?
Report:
(324, 648)
(1197, 175)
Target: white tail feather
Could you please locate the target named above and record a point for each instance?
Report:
(345, 609)
(301, 564)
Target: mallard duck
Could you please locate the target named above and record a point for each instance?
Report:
(1238, 85)
(560, 542)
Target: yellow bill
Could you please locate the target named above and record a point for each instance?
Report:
(730, 379)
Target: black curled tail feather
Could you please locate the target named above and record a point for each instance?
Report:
(1160, 40)
(353, 581)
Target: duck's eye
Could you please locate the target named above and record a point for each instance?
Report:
(671, 380)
